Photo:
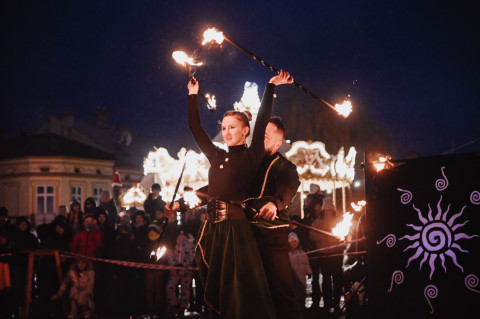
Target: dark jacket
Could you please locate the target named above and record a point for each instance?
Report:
(276, 181)
(151, 205)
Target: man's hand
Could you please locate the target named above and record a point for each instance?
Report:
(268, 211)
(170, 209)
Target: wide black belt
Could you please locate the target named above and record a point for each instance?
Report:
(219, 211)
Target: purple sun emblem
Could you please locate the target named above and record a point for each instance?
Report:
(437, 237)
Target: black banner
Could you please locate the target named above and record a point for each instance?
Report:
(423, 237)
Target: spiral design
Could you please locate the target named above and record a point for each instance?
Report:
(441, 183)
(430, 292)
(475, 198)
(390, 240)
(397, 278)
(406, 197)
(471, 282)
(436, 237)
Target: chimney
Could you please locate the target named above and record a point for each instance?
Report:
(67, 120)
(100, 117)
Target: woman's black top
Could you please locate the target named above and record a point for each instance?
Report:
(231, 172)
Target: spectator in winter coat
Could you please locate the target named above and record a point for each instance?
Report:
(182, 256)
(80, 279)
(108, 203)
(6, 296)
(122, 285)
(89, 206)
(5, 224)
(331, 267)
(24, 241)
(60, 235)
(87, 241)
(75, 216)
(155, 280)
(154, 202)
(301, 267)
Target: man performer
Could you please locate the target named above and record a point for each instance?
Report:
(270, 194)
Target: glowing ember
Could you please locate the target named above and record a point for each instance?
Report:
(342, 229)
(382, 163)
(344, 109)
(358, 205)
(191, 199)
(183, 59)
(159, 253)
(212, 34)
(212, 101)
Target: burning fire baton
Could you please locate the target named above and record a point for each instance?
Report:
(309, 227)
(183, 59)
(161, 250)
(213, 34)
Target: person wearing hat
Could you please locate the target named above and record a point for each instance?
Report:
(89, 206)
(139, 228)
(331, 267)
(60, 235)
(154, 202)
(155, 280)
(301, 267)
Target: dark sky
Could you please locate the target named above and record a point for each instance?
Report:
(412, 65)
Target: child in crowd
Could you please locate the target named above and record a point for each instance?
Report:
(182, 256)
(301, 267)
(80, 278)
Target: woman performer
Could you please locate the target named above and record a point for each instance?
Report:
(226, 252)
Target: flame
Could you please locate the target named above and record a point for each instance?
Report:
(135, 195)
(382, 163)
(344, 109)
(212, 101)
(342, 228)
(183, 59)
(191, 199)
(159, 253)
(358, 205)
(212, 34)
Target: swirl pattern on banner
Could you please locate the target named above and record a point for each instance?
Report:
(436, 237)
(391, 240)
(406, 197)
(475, 198)
(471, 281)
(430, 292)
(397, 277)
(442, 183)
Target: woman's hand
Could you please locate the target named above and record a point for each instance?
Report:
(282, 78)
(193, 86)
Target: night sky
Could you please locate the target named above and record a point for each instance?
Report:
(413, 66)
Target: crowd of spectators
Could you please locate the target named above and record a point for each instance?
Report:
(86, 238)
